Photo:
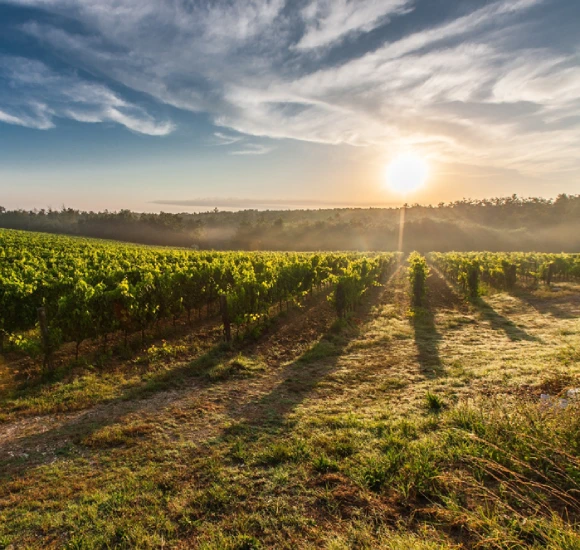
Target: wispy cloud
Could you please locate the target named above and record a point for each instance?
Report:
(234, 202)
(138, 122)
(253, 149)
(225, 139)
(243, 144)
(330, 21)
(478, 86)
(34, 96)
(37, 117)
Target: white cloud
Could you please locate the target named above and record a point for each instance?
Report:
(38, 119)
(254, 149)
(36, 95)
(455, 89)
(225, 139)
(141, 124)
(247, 147)
(540, 77)
(329, 21)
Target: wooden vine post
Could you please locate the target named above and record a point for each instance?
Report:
(226, 317)
(550, 273)
(46, 347)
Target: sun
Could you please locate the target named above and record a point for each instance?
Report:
(407, 173)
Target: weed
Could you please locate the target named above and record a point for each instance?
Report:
(392, 384)
(155, 354)
(324, 349)
(324, 464)
(239, 452)
(238, 366)
(433, 402)
(375, 474)
(116, 435)
(282, 452)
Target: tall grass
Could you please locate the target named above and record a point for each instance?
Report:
(503, 474)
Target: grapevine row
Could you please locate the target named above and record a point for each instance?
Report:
(91, 289)
(418, 272)
(503, 270)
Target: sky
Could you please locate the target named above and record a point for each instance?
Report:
(186, 105)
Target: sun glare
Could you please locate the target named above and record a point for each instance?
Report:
(407, 173)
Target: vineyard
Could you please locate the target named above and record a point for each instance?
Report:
(502, 271)
(228, 400)
(90, 289)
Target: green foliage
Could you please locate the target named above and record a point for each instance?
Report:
(323, 464)
(418, 273)
(356, 278)
(74, 313)
(24, 344)
(503, 270)
(91, 289)
(165, 351)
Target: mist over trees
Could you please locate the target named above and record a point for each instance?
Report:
(499, 224)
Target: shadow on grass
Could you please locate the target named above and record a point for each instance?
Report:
(299, 379)
(427, 339)
(33, 450)
(20, 455)
(557, 304)
(500, 323)
(33, 381)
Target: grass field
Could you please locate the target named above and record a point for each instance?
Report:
(397, 428)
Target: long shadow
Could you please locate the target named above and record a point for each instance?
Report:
(488, 313)
(300, 378)
(440, 296)
(18, 456)
(189, 376)
(66, 368)
(427, 339)
(299, 381)
(426, 335)
(552, 305)
(500, 323)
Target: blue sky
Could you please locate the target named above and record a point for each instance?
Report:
(145, 104)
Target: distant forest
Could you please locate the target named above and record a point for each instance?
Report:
(500, 224)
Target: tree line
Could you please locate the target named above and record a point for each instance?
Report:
(496, 224)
